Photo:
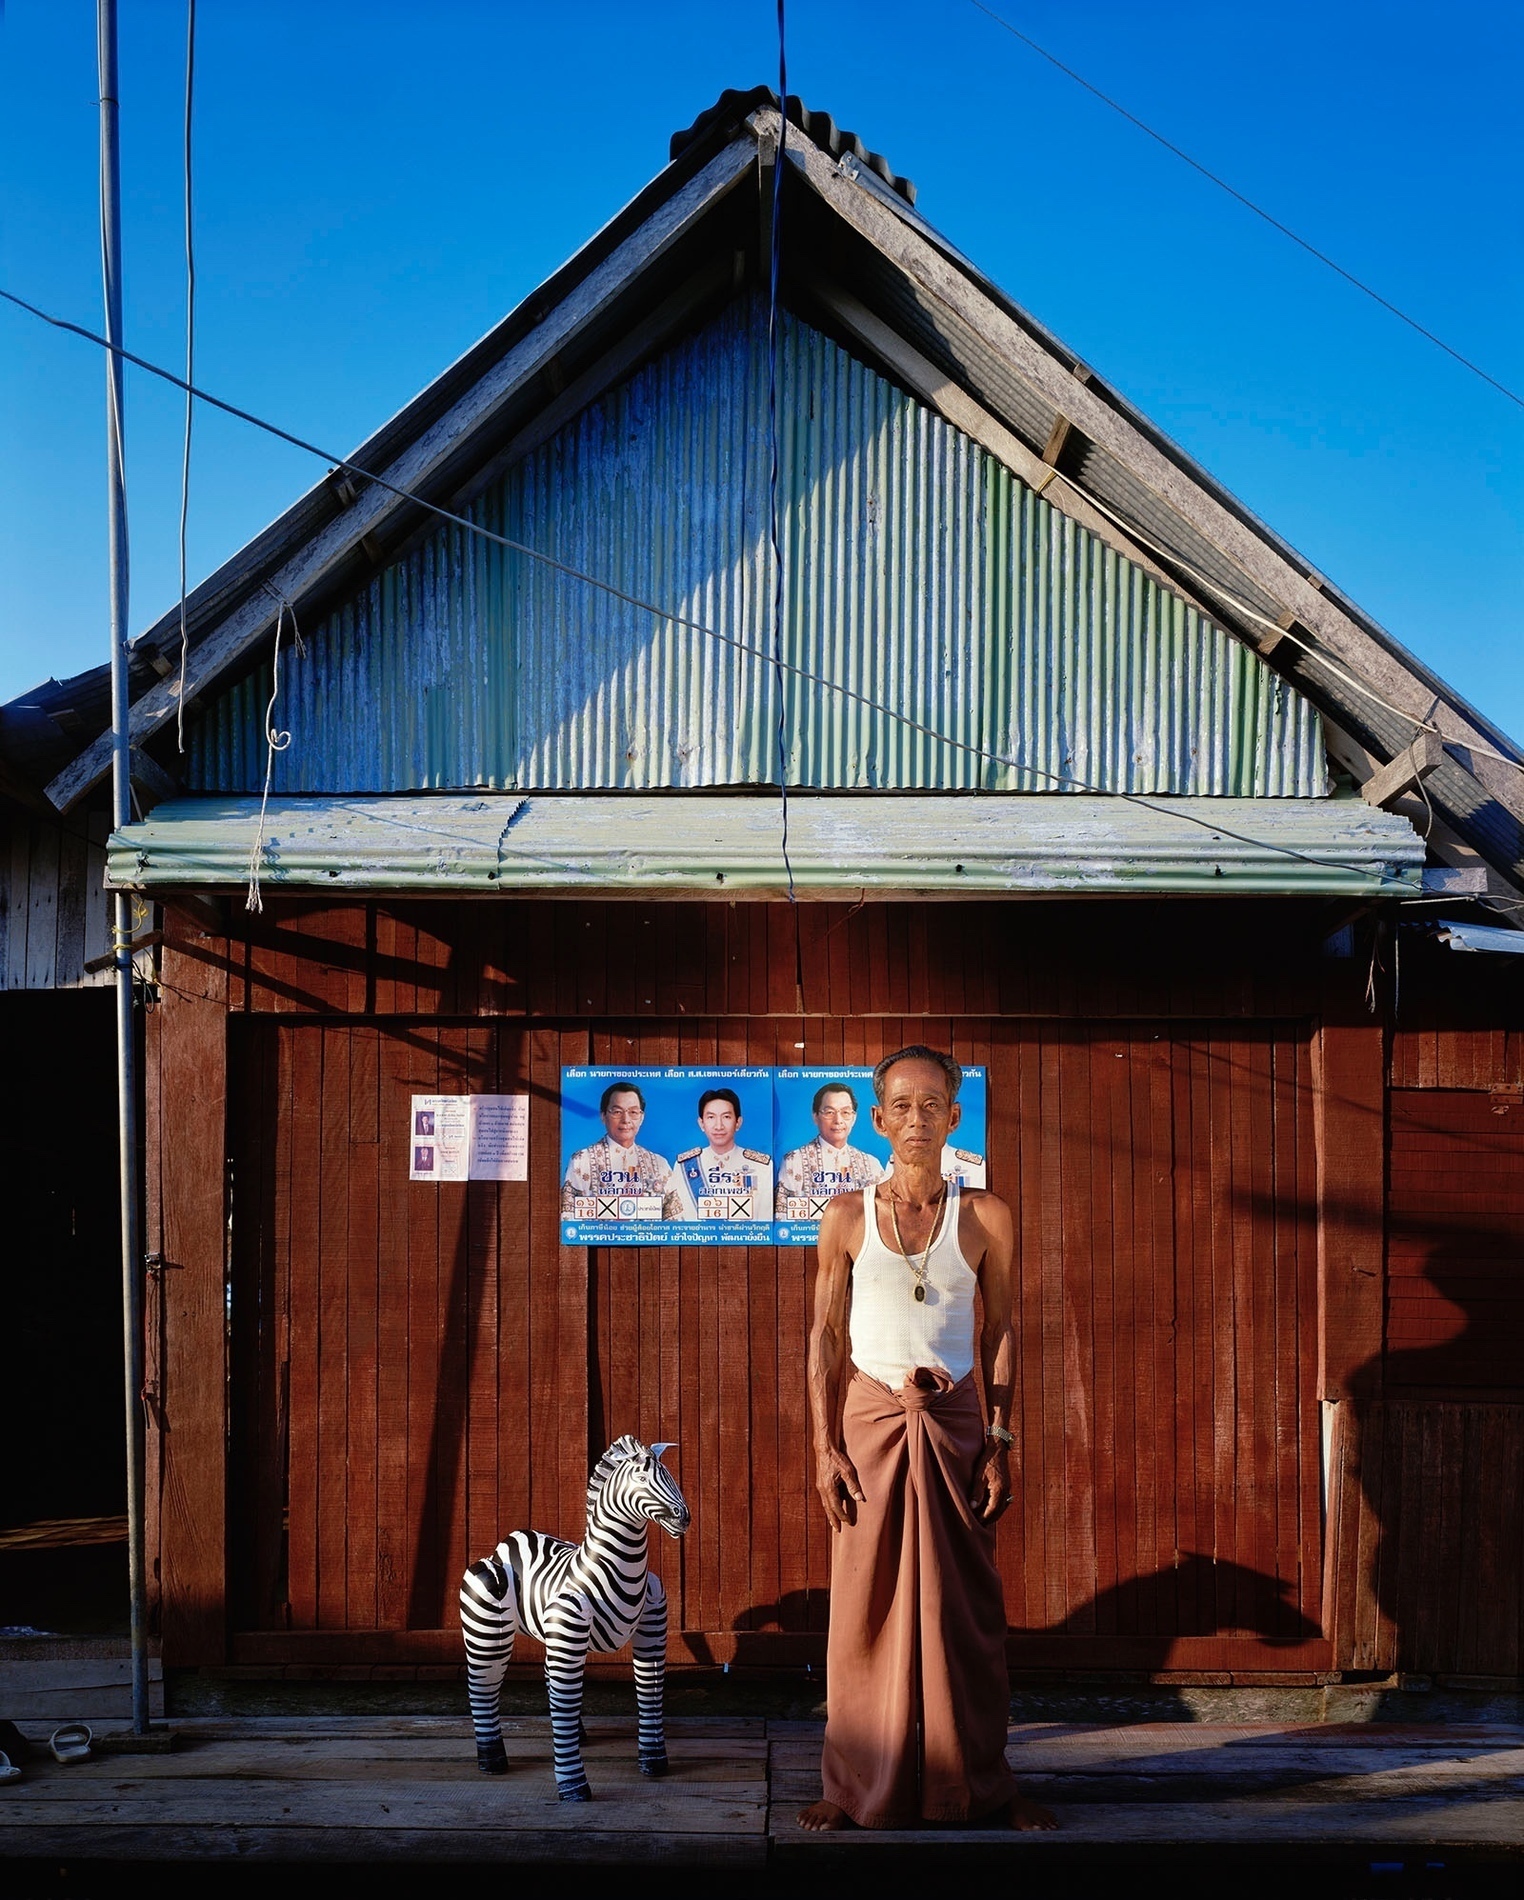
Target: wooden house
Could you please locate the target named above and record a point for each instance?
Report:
(1090, 778)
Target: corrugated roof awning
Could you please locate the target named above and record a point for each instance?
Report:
(625, 845)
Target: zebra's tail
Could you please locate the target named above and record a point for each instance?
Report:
(489, 1618)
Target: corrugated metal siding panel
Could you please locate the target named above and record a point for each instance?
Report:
(677, 844)
(921, 575)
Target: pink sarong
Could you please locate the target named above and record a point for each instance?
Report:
(917, 1695)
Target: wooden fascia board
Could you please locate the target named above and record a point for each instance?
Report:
(936, 278)
(317, 559)
(645, 339)
(954, 404)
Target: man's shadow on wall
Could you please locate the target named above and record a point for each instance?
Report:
(1449, 1538)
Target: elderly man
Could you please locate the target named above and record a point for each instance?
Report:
(913, 1478)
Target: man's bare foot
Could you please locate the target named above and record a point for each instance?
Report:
(824, 1817)
(1029, 1816)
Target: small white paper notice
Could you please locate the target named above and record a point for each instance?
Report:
(468, 1138)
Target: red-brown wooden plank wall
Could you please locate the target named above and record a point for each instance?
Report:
(417, 1369)
(1455, 1244)
(1426, 1485)
(1426, 1533)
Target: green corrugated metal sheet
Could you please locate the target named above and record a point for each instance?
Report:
(716, 846)
(920, 575)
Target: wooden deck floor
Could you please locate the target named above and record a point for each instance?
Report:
(361, 1789)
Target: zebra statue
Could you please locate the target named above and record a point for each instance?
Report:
(576, 1597)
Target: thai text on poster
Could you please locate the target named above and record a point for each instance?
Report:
(727, 1156)
(468, 1138)
(656, 1157)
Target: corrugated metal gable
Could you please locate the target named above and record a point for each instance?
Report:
(921, 575)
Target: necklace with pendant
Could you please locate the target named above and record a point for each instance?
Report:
(918, 1267)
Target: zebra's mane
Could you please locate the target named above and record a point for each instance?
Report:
(619, 1453)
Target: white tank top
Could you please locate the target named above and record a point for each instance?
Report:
(891, 1330)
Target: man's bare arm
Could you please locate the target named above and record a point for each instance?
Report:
(997, 1355)
(834, 1471)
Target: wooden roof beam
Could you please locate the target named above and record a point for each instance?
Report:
(316, 560)
(1416, 762)
(938, 280)
(1445, 844)
(954, 404)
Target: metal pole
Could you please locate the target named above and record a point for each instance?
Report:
(121, 814)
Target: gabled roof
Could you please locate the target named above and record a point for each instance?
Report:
(944, 627)
(862, 264)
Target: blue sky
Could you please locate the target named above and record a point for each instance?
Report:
(377, 184)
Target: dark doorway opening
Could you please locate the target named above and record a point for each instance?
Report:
(63, 1496)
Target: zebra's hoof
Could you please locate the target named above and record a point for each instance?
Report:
(574, 1791)
(654, 1765)
(492, 1761)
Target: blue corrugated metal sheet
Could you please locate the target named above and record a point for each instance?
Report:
(921, 575)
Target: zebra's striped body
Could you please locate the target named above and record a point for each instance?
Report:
(596, 1595)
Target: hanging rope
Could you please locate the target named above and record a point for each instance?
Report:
(275, 741)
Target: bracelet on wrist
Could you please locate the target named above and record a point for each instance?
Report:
(1000, 1434)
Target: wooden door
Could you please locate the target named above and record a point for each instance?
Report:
(418, 1369)
(409, 1361)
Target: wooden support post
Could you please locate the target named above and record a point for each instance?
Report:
(1349, 1076)
(1417, 762)
(150, 779)
(1058, 435)
(189, 1131)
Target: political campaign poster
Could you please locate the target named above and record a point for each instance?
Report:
(825, 1143)
(660, 1157)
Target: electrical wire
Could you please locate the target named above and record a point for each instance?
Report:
(340, 462)
(1248, 203)
(1242, 607)
(1067, 780)
(190, 360)
(775, 266)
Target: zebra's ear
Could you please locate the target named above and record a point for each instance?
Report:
(657, 1450)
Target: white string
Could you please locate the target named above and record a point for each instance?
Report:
(678, 620)
(275, 741)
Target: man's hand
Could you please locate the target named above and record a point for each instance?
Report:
(835, 1473)
(992, 1482)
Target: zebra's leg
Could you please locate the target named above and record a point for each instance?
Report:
(650, 1678)
(489, 1619)
(568, 1627)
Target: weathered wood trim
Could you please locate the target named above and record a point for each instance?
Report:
(191, 1038)
(1413, 763)
(956, 406)
(1292, 587)
(1349, 1104)
(360, 1650)
(318, 558)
